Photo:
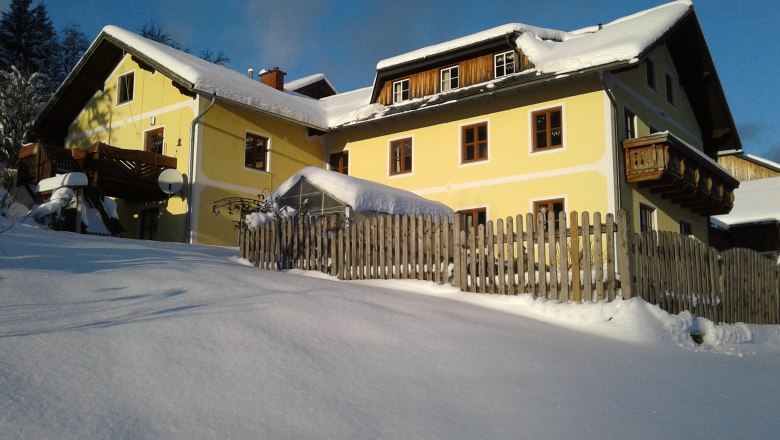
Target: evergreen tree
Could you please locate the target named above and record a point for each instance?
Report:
(21, 96)
(27, 38)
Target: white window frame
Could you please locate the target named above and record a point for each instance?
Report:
(502, 56)
(118, 87)
(267, 152)
(448, 81)
(396, 93)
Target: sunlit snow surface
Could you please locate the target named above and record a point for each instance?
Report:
(110, 338)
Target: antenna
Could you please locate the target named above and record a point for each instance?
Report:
(170, 181)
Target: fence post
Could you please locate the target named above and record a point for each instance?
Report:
(624, 255)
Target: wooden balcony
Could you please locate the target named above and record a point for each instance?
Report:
(677, 171)
(125, 174)
(38, 162)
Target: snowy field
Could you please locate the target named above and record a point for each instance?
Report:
(107, 338)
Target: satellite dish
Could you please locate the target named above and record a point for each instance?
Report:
(170, 181)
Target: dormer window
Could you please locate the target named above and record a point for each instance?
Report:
(504, 64)
(400, 90)
(449, 78)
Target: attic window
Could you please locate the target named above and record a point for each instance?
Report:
(504, 64)
(124, 87)
(401, 90)
(650, 71)
(669, 89)
(449, 78)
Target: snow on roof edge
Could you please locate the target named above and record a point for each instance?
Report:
(751, 204)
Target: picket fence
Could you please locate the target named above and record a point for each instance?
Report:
(548, 257)
(680, 273)
(574, 257)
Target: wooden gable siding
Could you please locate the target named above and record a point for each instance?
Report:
(471, 71)
(744, 169)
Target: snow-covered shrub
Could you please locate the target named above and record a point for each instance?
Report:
(48, 213)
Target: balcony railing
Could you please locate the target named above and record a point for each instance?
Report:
(122, 173)
(677, 171)
(118, 172)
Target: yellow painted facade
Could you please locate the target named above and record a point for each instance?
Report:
(221, 172)
(219, 148)
(513, 176)
(156, 104)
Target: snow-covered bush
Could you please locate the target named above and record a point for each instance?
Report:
(48, 213)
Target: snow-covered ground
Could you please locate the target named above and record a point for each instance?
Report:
(110, 338)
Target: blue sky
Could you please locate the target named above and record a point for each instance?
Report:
(345, 39)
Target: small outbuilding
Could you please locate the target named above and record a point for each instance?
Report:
(754, 222)
(319, 192)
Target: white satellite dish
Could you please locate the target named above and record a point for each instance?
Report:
(170, 181)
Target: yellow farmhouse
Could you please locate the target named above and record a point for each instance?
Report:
(627, 115)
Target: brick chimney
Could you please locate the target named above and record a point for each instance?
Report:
(273, 78)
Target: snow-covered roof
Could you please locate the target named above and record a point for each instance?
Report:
(211, 79)
(308, 80)
(469, 40)
(364, 195)
(755, 201)
(624, 39)
(555, 51)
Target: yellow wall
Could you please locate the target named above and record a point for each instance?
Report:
(652, 109)
(513, 176)
(222, 172)
(156, 103)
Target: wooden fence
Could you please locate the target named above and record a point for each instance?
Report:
(551, 258)
(680, 273)
(574, 257)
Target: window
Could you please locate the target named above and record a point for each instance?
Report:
(124, 87)
(543, 207)
(148, 224)
(475, 142)
(401, 156)
(669, 89)
(472, 218)
(646, 218)
(630, 124)
(686, 228)
(154, 141)
(449, 78)
(548, 129)
(256, 152)
(400, 90)
(503, 64)
(650, 70)
(339, 162)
